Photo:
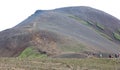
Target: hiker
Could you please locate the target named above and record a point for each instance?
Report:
(116, 55)
(110, 56)
(101, 55)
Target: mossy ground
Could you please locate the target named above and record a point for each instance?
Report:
(30, 52)
(117, 36)
(100, 26)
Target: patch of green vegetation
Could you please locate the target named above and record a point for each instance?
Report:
(78, 19)
(100, 26)
(90, 23)
(81, 21)
(117, 36)
(104, 35)
(31, 53)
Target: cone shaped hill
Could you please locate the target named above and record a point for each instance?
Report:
(63, 32)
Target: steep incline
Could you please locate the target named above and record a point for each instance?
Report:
(96, 18)
(64, 30)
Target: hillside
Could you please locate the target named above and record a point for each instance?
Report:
(63, 31)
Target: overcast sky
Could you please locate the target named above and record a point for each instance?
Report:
(13, 12)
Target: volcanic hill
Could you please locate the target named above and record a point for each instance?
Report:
(63, 31)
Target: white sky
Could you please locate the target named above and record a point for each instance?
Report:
(13, 12)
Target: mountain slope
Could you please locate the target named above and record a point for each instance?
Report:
(95, 17)
(63, 30)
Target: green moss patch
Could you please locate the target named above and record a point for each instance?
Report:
(78, 19)
(117, 36)
(31, 53)
(104, 35)
(90, 23)
(100, 26)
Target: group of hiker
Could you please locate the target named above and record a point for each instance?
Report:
(114, 56)
(110, 55)
(103, 55)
